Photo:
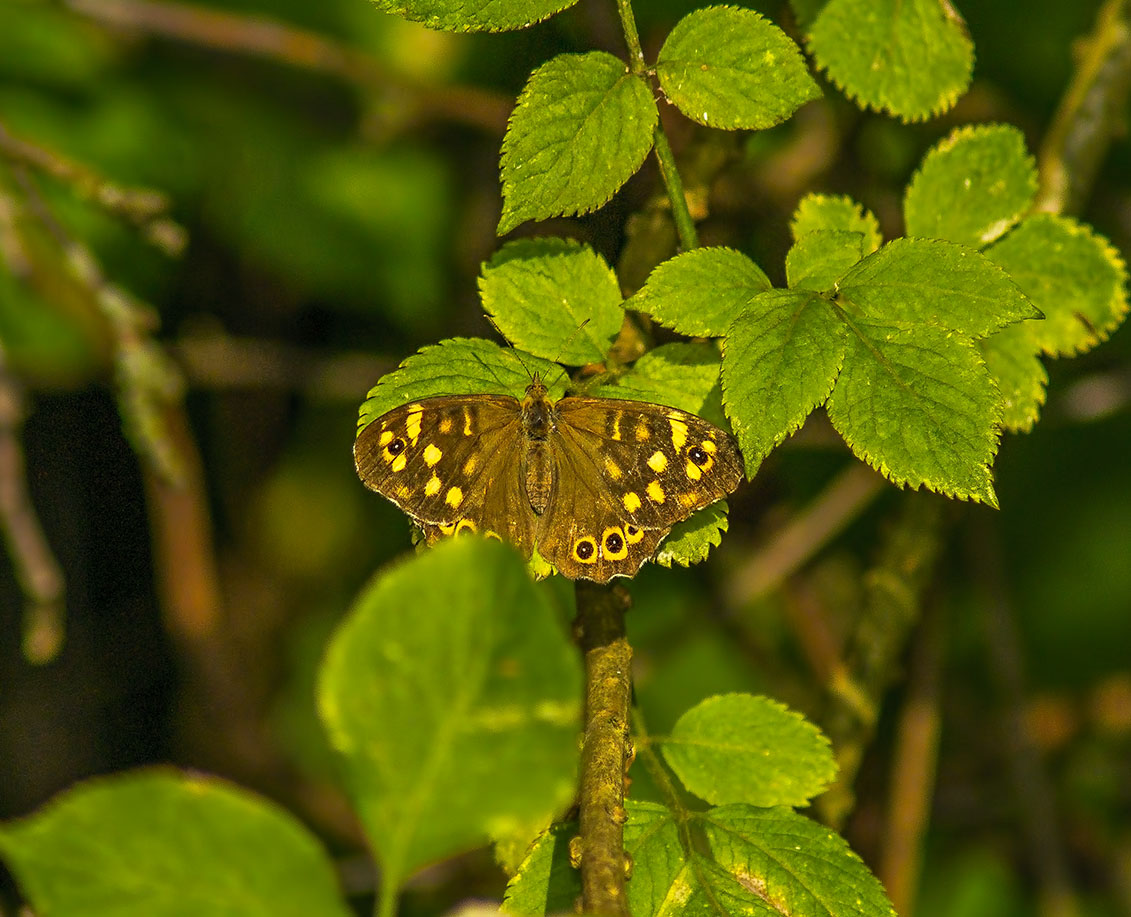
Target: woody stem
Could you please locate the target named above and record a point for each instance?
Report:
(604, 753)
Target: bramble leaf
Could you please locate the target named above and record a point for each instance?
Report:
(582, 126)
(824, 211)
(729, 68)
(780, 360)
(474, 15)
(700, 292)
(1072, 275)
(818, 259)
(928, 280)
(915, 402)
(762, 862)
(972, 187)
(555, 298)
(453, 727)
(164, 842)
(743, 748)
(911, 58)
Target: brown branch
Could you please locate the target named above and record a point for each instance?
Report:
(267, 38)
(604, 752)
(788, 549)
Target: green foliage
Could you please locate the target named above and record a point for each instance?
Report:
(553, 297)
(730, 68)
(762, 861)
(741, 748)
(455, 726)
(162, 842)
(911, 58)
(825, 212)
(581, 127)
(463, 16)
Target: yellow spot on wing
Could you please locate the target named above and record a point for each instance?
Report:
(643, 434)
(631, 501)
(679, 433)
(468, 427)
(432, 454)
(693, 471)
(446, 425)
(708, 446)
(454, 497)
(656, 492)
(412, 426)
(470, 465)
(616, 425)
(658, 462)
(386, 438)
(432, 487)
(612, 469)
(399, 462)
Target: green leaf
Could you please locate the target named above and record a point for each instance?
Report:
(730, 68)
(908, 57)
(700, 292)
(922, 280)
(763, 862)
(780, 361)
(972, 187)
(1011, 357)
(582, 126)
(555, 298)
(682, 375)
(452, 693)
(691, 541)
(916, 403)
(818, 259)
(742, 748)
(458, 366)
(476, 15)
(1072, 275)
(792, 865)
(162, 842)
(824, 211)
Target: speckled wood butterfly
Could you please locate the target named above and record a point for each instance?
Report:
(592, 484)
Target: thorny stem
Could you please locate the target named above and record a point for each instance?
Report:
(604, 752)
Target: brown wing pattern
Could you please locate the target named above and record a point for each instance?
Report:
(452, 464)
(626, 472)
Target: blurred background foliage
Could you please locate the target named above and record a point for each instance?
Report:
(326, 187)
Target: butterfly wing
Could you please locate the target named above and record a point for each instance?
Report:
(452, 463)
(626, 472)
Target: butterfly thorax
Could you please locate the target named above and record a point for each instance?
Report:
(539, 420)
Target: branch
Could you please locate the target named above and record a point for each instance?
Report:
(1091, 113)
(604, 752)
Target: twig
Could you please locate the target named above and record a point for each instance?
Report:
(1091, 112)
(786, 551)
(287, 44)
(913, 769)
(146, 380)
(36, 569)
(893, 592)
(142, 208)
(604, 752)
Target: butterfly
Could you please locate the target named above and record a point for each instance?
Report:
(592, 484)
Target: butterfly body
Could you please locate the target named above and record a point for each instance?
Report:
(592, 484)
